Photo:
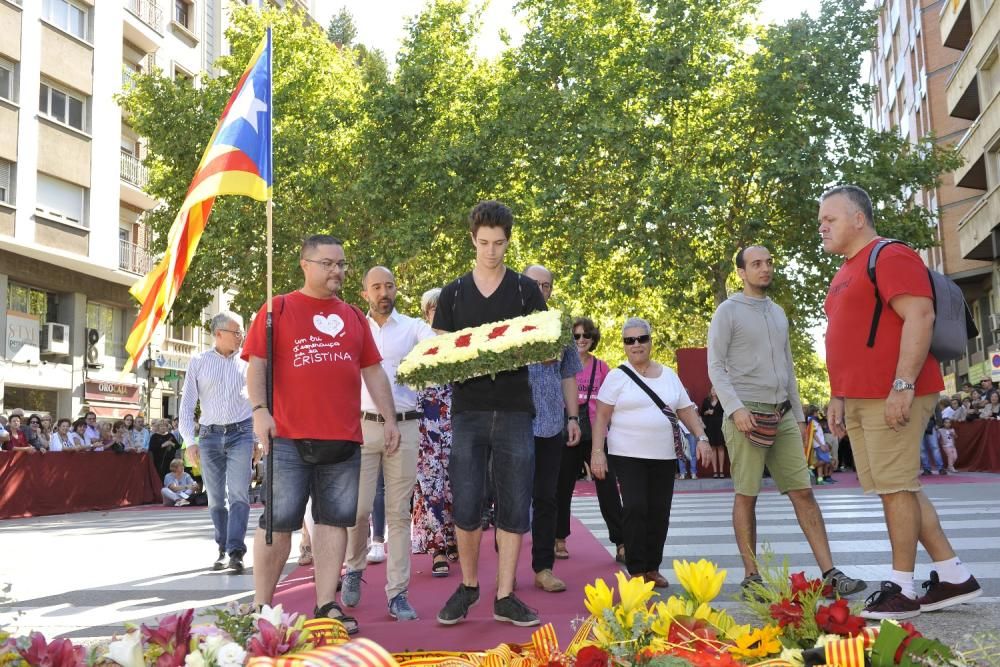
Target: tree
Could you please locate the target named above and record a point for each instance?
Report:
(342, 30)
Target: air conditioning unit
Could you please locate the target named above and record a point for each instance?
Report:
(55, 339)
(95, 349)
(995, 321)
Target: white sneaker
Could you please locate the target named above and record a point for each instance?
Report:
(182, 502)
(376, 552)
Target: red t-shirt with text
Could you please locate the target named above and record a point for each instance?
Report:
(320, 347)
(859, 371)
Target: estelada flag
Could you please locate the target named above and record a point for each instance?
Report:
(237, 161)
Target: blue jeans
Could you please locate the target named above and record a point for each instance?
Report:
(226, 465)
(930, 444)
(691, 465)
(508, 436)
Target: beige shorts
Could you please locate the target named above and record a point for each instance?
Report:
(785, 459)
(887, 461)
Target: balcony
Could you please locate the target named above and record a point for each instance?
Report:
(143, 24)
(131, 70)
(956, 23)
(974, 145)
(134, 178)
(133, 258)
(962, 89)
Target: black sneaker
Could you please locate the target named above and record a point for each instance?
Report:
(842, 585)
(889, 603)
(236, 562)
(512, 610)
(220, 562)
(751, 588)
(458, 605)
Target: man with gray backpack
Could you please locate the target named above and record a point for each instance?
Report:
(884, 388)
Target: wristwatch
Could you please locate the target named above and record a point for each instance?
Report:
(899, 384)
(573, 418)
(702, 438)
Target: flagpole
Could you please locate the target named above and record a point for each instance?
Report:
(269, 376)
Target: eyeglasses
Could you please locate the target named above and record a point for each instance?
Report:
(236, 332)
(34, 422)
(328, 264)
(632, 340)
(578, 336)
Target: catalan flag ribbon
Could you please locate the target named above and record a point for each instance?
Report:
(237, 161)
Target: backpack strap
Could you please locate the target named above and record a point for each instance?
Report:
(877, 314)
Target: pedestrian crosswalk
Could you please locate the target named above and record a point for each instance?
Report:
(701, 527)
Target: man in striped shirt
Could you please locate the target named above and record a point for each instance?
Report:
(217, 379)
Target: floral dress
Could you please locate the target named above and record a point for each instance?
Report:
(433, 526)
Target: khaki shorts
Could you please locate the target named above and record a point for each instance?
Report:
(785, 459)
(887, 461)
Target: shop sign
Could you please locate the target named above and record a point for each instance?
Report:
(949, 384)
(22, 336)
(978, 371)
(995, 366)
(112, 392)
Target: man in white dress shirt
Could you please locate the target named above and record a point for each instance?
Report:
(395, 335)
(217, 378)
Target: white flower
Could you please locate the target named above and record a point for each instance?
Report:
(127, 651)
(195, 659)
(211, 645)
(231, 655)
(272, 614)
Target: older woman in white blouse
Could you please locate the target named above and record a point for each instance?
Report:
(641, 446)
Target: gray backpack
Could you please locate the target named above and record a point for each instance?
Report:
(953, 323)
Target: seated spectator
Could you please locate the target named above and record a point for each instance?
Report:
(991, 410)
(178, 485)
(163, 446)
(18, 441)
(77, 437)
(59, 440)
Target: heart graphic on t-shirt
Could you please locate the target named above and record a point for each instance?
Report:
(331, 325)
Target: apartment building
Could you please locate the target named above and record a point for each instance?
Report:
(910, 70)
(72, 198)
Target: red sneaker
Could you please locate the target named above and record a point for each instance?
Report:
(940, 594)
(889, 603)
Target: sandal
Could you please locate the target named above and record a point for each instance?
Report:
(561, 552)
(305, 554)
(349, 622)
(440, 566)
(452, 553)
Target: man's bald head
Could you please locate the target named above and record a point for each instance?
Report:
(379, 289)
(543, 277)
(379, 273)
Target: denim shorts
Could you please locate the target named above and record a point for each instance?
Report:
(333, 487)
(504, 441)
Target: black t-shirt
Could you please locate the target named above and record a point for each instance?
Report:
(462, 305)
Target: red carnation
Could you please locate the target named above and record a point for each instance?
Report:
(498, 331)
(787, 613)
(800, 584)
(463, 340)
(433, 350)
(528, 327)
(592, 656)
(837, 618)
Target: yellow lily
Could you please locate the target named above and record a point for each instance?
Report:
(662, 618)
(760, 643)
(599, 598)
(702, 580)
(634, 592)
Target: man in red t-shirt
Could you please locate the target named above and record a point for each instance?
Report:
(882, 396)
(322, 348)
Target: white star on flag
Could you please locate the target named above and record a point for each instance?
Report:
(246, 106)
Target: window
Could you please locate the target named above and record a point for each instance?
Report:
(108, 322)
(181, 332)
(66, 15)
(182, 13)
(181, 75)
(62, 107)
(6, 182)
(60, 200)
(6, 80)
(32, 301)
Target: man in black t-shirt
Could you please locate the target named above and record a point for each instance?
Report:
(491, 420)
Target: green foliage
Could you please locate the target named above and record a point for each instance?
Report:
(639, 142)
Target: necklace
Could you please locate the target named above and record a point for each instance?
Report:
(642, 371)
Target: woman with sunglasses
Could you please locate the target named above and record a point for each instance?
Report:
(642, 445)
(36, 438)
(586, 335)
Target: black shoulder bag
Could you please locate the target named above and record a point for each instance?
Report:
(584, 418)
(665, 409)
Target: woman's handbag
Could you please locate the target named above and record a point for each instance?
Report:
(665, 409)
(766, 430)
(584, 419)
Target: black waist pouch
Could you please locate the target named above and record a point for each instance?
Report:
(323, 452)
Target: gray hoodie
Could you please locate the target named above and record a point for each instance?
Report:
(750, 356)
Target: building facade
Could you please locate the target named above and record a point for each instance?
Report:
(72, 199)
(910, 72)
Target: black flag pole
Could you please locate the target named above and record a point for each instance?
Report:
(269, 374)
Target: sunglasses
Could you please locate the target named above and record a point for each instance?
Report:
(578, 336)
(632, 340)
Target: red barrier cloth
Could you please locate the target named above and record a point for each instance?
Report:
(33, 484)
(978, 445)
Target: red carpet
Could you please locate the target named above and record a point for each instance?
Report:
(588, 561)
